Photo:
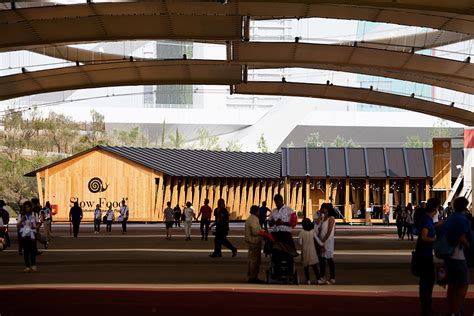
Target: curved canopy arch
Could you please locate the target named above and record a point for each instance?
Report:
(205, 72)
(356, 95)
(209, 20)
(445, 73)
(429, 70)
(120, 74)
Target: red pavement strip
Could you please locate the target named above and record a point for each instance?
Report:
(210, 301)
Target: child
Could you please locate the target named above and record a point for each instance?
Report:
(308, 250)
(110, 218)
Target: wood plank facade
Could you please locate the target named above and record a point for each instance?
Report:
(102, 177)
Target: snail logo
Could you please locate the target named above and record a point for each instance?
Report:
(96, 186)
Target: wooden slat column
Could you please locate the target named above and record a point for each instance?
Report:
(203, 194)
(217, 193)
(407, 191)
(270, 203)
(189, 190)
(347, 204)
(210, 194)
(196, 194)
(230, 196)
(367, 202)
(299, 198)
(249, 198)
(182, 187)
(174, 193)
(427, 189)
(40, 188)
(237, 199)
(243, 199)
(256, 196)
(293, 194)
(159, 199)
(328, 189)
(387, 195)
(286, 191)
(167, 194)
(307, 202)
(263, 192)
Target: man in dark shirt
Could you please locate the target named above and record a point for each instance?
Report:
(75, 216)
(222, 230)
(205, 213)
(262, 215)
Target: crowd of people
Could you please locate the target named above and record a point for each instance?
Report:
(446, 233)
(450, 238)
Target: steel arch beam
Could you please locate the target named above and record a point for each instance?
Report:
(449, 74)
(120, 74)
(356, 95)
(209, 20)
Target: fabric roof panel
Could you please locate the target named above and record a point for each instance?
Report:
(337, 162)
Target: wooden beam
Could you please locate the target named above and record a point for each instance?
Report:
(286, 191)
(189, 190)
(250, 198)
(237, 199)
(257, 190)
(225, 190)
(203, 194)
(270, 202)
(243, 199)
(46, 186)
(407, 191)
(40, 188)
(182, 187)
(328, 189)
(195, 188)
(299, 197)
(217, 193)
(387, 194)
(159, 214)
(153, 188)
(307, 201)
(263, 194)
(167, 194)
(427, 189)
(174, 193)
(230, 197)
(293, 195)
(210, 193)
(367, 201)
(347, 204)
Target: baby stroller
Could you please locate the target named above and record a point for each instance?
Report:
(282, 263)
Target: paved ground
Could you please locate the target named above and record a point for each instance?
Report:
(372, 267)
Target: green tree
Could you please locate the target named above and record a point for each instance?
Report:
(207, 141)
(440, 129)
(342, 142)
(233, 146)
(177, 140)
(132, 138)
(291, 144)
(414, 142)
(262, 144)
(314, 141)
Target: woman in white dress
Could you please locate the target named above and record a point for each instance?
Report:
(326, 235)
(307, 238)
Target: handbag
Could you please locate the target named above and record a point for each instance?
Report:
(443, 249)
(415, 264)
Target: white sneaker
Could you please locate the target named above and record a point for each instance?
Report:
(332, 281)
(308, 282)
(322, 281)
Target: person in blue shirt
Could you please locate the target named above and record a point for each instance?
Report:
(262, 215)
(424, 251)
(457, 229)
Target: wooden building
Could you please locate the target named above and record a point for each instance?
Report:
(147, 178)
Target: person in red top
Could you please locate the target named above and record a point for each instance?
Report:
(205, 213)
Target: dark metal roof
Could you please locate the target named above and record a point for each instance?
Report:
(363, 162)
(198, 163)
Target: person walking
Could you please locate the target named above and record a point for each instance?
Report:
(48, 218)
(386, 211)
(399, 221)
(409, 221)
(424, 253)
(5, 216)
(309, 257)
(124, 216)
(189, 215)
(28, 224)
(457, 229)
(177, 216)
(326, 236)
(205, 213)
(110, 218)
(75, 216)
(97, 219)
(222, 231)
(169, 220)
(263, 213)
(254, 243)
